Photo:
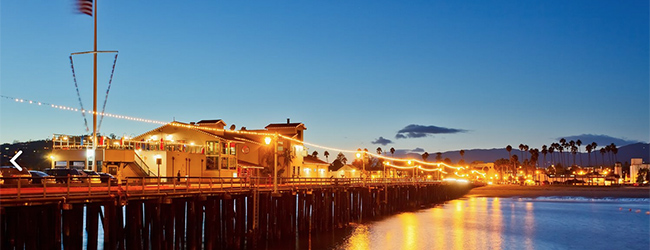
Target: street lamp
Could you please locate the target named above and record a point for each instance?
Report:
(268, 140)
(52, 158)
(361, 155)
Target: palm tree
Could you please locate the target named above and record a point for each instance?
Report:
(588, 148)
(379, 151)
(462, 155)
(392, 151)
(534, 157)
(574, 151)
(327, 154)
(551, 149)
(425, 156)
(514, 159)
(614, 151)
(521, 150)
(562, 146)
(608, 149)
(438, 157)
(556, 147)
(560, 149)
(571, 145)
(578, 143)
(593, 148)
(509, 148)
(287, 157)
(602, 153)
(526, 148)
(314, 154)
(544, 152)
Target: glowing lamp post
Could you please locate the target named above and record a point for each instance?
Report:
(268, 140)
(360, 156)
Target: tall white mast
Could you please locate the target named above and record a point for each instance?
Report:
(94, 164)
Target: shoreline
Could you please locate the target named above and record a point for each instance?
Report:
(516, 191)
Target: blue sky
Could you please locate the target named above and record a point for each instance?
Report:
(432, 75)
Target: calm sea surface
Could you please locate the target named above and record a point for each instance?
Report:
(500, 223)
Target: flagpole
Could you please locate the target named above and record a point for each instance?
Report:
(94, 167)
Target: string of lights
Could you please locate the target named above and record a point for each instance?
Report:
(438, 164)
(415, 162)
(415, 166)
(62, 107)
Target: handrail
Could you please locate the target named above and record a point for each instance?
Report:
(147, 171)
(81, 187)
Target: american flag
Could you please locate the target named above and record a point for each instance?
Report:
(85, 7)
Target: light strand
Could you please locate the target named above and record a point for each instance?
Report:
(244, 132)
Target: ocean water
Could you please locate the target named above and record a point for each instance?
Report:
(502, 223)
(495, 223)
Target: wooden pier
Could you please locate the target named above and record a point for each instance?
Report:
(200, 218)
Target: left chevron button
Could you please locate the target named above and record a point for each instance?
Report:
(13, 160)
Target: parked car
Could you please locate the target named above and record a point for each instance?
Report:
(39, 177)
(574, 181)
(62, 174)
(91, 176)
(106, 177)
(12, 175)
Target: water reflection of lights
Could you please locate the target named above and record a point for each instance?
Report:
(472, 223)
(458, 224)
(529, 228)
(410, 228)
(496, 222)
(359, 239)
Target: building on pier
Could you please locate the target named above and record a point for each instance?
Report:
(205, 148)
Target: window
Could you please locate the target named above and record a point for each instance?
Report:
(78, 164)
(233, 149)
(211, 163)
(224, 162)
(232, 165)
(212, 148)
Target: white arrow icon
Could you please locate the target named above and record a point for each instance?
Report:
(13, 160)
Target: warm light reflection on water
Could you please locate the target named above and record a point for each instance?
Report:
(359, 239)
(529, 227)
(493, 223)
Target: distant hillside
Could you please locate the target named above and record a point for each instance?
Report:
(35, 154)
(625, 153)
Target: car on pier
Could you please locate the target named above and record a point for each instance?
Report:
(62, 175)
(39, 177)
(13, 175)
(106, 177)
(91, 176)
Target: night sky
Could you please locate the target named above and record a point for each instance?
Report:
(426, 75)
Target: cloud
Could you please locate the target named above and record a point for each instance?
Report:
(417, 150)
(415, 153)
(381, 140)
(419, 131)
(601, 140)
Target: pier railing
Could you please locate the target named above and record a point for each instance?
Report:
(21, 190)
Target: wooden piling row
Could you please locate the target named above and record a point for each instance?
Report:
(217, 221)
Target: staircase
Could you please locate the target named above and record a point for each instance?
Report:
(142, 166)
